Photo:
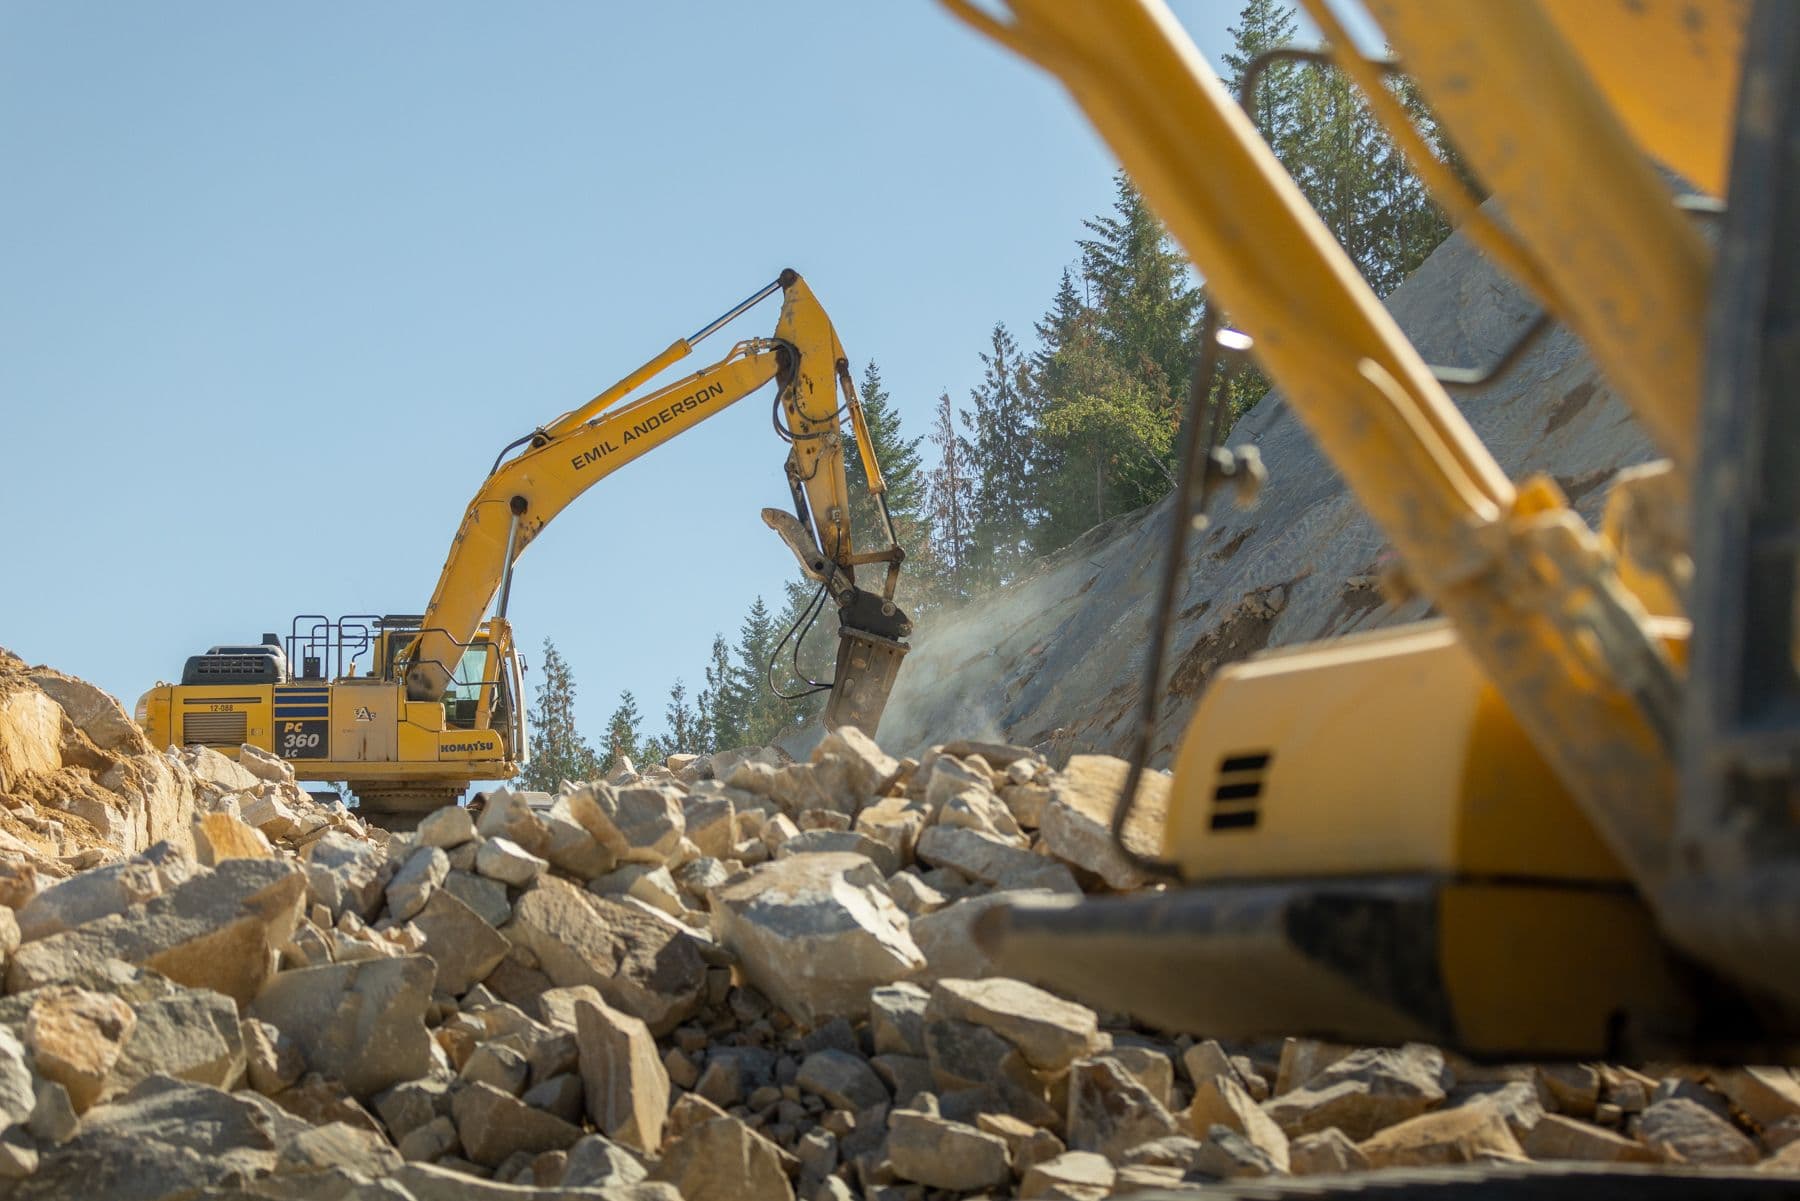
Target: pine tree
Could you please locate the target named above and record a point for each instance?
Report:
(558, 752)
(950, 489)
(721, 701)
(1002, 427)
(622, 733)
(897, 456)
(750, 669)
(1147, 300)
(1265, 25)
(684, 723)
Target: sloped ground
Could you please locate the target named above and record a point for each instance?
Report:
(1057, 658)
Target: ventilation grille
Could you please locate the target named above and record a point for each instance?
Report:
(1237, 794)
(214, 729)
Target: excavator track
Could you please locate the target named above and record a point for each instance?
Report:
(1512, 1182)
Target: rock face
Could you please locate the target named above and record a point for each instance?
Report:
(816, 933)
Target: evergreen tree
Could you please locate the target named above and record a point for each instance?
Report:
(558, 752)
(623, 732)
(1002, 425)
(763, 715)
(950, 490)
(897, 456)
(1146, 297)
(684, 723)
(721, 702)
(652, 751)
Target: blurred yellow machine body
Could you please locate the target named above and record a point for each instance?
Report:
(1562, 820)
(409, 709)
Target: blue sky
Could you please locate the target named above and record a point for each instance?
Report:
(277, 282)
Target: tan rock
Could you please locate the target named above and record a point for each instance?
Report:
(869, 771)
(1572, 1088)
(216, 931)
(1558, 1137)
(272, 1062)
(1365, 1091)
(190, 1034)
(1051, 1033)
(721, 1159)
(220, 836)
(1071, 1176)
(1466, 1134)
(1076, 826)
(943, 1154)
(815, 933)
(361, 1023)
(1228, 1155)
(1147, 1178)
(638, 824)
(1327, 1152)
(493, 1125)
(640, 964)
(1301, 1060)
(1110, 1112)
(1765, 1095)
(1026, 1145)
(465, 948)
(1222, 1101)
(1149, 1067)
(626, 1084)
(991, 860)
(74, 1038)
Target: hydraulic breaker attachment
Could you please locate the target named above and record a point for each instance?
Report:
(870, 629)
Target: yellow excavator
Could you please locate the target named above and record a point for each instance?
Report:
(408, 710)
(1562, 818)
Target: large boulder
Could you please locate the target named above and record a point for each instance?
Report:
(1365, 1091)
(640, 964)
(626, 1085)
(464, 947)
(1076, 824)
(360, 1023)
(1051, 1033)
(219, 930)
(815, 933)
(722, 1159)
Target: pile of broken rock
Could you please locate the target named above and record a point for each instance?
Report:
(729, 976)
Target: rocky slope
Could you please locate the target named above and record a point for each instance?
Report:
(727, 977)
(1056, 659)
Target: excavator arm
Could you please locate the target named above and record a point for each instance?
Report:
(558, 462)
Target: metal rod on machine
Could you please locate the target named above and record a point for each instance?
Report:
(512, 544)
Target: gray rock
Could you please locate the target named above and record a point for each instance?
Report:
(486, 897)
(416, 880)
(508, 813)
(18, 1093)
(992, 861)
(897, 1018)
(846, 1081)
(346, 875)
(965, 1056)
(597, 1161)
(506, 861)
(853, 842)
(192, 1035)
(411, 1104)
(498, 1065)
(1684, 1131)
(361, 1023)
(271, 1060)
(945, 1155)
(447, 828)
(88, 896)
(815, 933)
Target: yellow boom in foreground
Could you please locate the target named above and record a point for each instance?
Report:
(1563, 820)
